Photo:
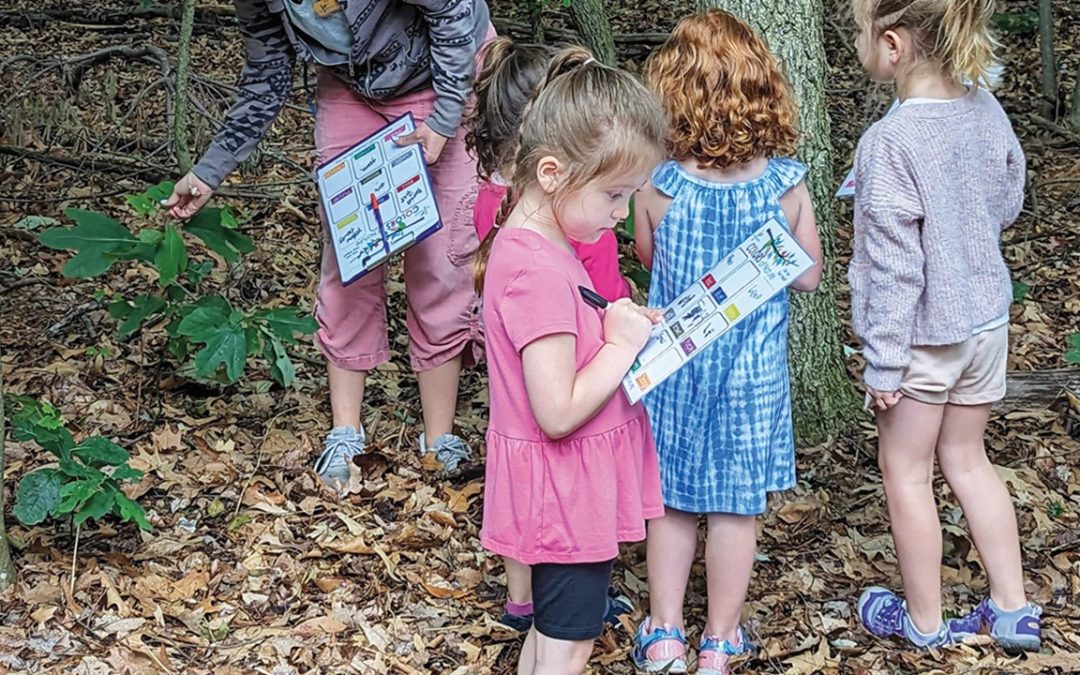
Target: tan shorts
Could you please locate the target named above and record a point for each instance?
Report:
(971, 372)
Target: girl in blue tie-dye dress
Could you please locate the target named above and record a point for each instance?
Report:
(723, 422)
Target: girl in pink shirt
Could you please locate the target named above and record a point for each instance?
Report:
(508, 74)
(571, 466)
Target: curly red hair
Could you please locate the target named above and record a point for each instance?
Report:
(726, 99)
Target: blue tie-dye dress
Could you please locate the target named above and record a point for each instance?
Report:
(723, 422)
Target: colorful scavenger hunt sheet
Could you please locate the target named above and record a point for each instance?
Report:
(399, 179)
(759, 268)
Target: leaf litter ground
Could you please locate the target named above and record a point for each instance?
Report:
(254, 567)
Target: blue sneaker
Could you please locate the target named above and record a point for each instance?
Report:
(1016, 631)
(659, 650)
(885, 615)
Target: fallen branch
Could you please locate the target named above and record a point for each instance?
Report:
(1038, 388)
(1056, 129)
(58, 328)
(141, 170)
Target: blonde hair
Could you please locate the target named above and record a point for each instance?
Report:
(597, 120)
(953, 34)
(726, 98)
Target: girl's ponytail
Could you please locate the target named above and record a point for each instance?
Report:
(504, 82)
(965, 43)
(954, 34)
(483, 254)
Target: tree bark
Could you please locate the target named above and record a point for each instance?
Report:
(823, 397)
(1074, 116)
(591, 22)
(183, 66)
(1049, 63)
(7, 569)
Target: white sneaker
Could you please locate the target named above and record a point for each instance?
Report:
(449, 449)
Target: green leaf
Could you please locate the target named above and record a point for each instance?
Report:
(69, 467)
(130, 510)
(286, 322)
(99, 451)
(197, 272)
(38, 421)
(228, 220)
(206, 319)
(151, 236)
(1073, 354)
(143, 307)
(125, 472)
(160, 191)
(281, 367)
(99, 240)
(171, 258)
(74, 494)
(100, 504)
(37, 496)
(119, 308)
(1020, 290)
(140, 204)
(227, 345)
(229, 244)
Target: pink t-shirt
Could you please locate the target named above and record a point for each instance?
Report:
(601, 259)
(556, 501)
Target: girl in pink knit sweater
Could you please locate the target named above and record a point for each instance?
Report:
(936, 181)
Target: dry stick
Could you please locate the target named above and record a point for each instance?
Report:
(1047, 60)
(1060, 131)
(75, 557)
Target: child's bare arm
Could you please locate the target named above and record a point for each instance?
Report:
(562, 397)
(799, 211)
(649, 208)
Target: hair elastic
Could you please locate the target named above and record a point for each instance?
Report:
(588, 61)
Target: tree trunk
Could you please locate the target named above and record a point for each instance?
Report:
(7, 569)
(1049, 63)
(591, 22)
(1074, 116)
(824, 400)
(183, 64)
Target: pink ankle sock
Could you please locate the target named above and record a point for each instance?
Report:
(519, 608)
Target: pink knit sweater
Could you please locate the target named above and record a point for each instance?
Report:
(935, 185)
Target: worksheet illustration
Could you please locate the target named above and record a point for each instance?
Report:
(763, 265)
(378, 199)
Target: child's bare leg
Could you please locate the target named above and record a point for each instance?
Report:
(560, 657)
(908, 435)
(438, 398)
(985, 500)
(346, 395)
(670, 548)
(729, 562)
(518, 581)
(527, 657)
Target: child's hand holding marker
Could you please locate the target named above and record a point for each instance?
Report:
(626, 323)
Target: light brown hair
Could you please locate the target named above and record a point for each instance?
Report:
(597, 120)
(509, 72)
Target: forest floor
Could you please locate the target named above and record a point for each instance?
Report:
(252, 566)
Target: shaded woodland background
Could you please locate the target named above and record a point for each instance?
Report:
(252, 566)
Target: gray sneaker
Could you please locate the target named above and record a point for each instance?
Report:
(449, 449)
(341, 445)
